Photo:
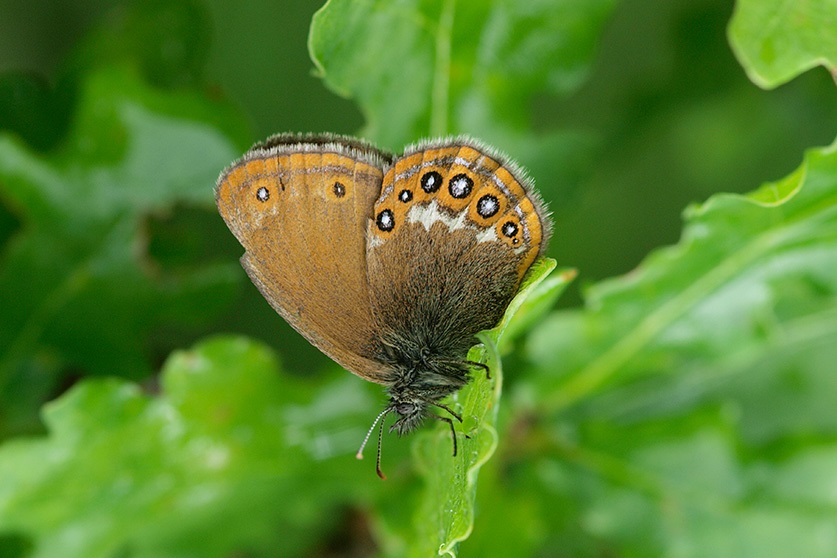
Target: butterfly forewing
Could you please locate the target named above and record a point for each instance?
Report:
(301, 215)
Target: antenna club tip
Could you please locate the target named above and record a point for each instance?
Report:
(358, 455)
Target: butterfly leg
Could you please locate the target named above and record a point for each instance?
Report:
(455, 415)
(481, 366)
(452, 430)
(466, 362)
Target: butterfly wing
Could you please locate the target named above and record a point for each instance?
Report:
(300, 207)
(453, 233)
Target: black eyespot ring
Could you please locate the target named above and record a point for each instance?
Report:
(385, 220)
(460, 186)
(431, 181)
(509, 229)
(262, 194)
(405, 196)
(339, 189)
(488, 206)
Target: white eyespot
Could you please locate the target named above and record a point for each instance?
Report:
(431, 181)
(385, 220)
(460, 186)
(262, 194)
(488, 206)
(509, 229)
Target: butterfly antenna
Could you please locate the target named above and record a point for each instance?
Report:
(378, 461)
(359, 453)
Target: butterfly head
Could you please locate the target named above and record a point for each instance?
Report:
(410, 405)
(410, 411)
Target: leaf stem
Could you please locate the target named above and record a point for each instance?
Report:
(441, 75)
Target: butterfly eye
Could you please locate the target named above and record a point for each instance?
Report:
(406, 408)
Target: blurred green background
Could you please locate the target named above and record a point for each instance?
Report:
(662, 117)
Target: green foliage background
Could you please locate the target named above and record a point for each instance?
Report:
(679, 401)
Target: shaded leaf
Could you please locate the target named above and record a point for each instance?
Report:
(78, 288)
(167, 42)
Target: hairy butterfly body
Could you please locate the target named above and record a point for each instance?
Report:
(389, 265)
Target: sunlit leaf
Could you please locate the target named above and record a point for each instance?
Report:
(445, 514)
(229, 455)
(678, 409)
(776, 40)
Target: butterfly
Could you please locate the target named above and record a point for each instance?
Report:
(388, 264)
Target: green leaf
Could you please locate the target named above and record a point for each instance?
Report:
(430, 68)
(689, 408)
(720, 292)
(472, 66)
(540, 297)
(228, 456)
(78, 287)
(776, 40)
(444, 515)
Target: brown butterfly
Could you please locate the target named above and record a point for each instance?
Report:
(389, 265)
